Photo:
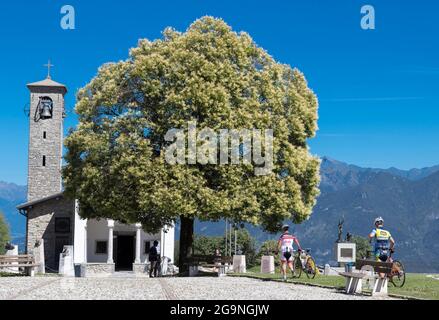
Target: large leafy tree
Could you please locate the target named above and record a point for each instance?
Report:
(222, 80)
(4, 233)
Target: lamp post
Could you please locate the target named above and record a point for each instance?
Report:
(226, 236)
(230, 242)
(236, 238)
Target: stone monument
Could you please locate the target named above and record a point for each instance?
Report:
(66, 266)
(345, 251)
(239, 264)
(267, 265)
(38, 252)
(12, 250)
(164, 266)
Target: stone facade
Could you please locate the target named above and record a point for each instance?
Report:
(41, 224)
(97, 269)
(45, 141)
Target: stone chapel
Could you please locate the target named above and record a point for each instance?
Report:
(53, 221)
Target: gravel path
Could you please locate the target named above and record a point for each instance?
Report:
(131, 288)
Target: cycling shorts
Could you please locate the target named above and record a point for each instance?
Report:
(286, 257)
(382, 254)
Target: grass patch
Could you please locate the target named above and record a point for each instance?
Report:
(10, 275)
(326, 281)
(419, 286)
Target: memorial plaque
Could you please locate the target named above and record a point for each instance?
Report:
(345, 252)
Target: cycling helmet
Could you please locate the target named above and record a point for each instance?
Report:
(285, 227)
(379, 221)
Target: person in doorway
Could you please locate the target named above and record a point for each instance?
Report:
(154, 260)
(285, 245)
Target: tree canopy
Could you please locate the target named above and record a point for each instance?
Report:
(221, 79)
(363, 246)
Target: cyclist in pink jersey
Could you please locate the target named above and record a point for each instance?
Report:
(285, 245)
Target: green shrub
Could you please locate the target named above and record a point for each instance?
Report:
(4, 234)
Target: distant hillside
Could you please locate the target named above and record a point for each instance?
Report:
(10, 196)
(12, 192)
(338, 175)
(410, 210)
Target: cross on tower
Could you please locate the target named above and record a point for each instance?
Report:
(48, 65)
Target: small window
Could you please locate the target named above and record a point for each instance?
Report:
(101, 247)
(62, 225)
(147, 246)
(44, 135)
(44, 161)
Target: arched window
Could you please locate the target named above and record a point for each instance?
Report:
(44, 109)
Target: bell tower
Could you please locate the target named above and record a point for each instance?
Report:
(46, 119)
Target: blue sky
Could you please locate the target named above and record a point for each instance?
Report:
(378, 89)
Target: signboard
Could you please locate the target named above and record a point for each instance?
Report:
(345, 252)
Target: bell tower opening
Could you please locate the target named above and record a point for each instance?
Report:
(44, 111)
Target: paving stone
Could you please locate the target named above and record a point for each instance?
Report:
(129, 287)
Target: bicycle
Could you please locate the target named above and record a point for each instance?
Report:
(397, 275)
(304, 262)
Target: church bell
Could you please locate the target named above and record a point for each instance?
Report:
(46, 112)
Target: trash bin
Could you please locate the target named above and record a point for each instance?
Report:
(348, 267)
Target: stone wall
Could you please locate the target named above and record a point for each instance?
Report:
(97, 269)
(41, 225)
(45, 140)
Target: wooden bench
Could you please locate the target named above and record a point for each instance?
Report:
(209, 262)
(379, 284)
(24, 262)
(354, 280)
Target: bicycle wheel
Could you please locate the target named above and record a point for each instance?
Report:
(310, 268)
(397, 277)
(297, 268)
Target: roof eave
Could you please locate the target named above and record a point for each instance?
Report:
(27, 205)
(47, 83)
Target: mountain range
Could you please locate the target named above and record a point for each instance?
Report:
(407, 200)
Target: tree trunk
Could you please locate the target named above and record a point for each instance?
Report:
(186, 242)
